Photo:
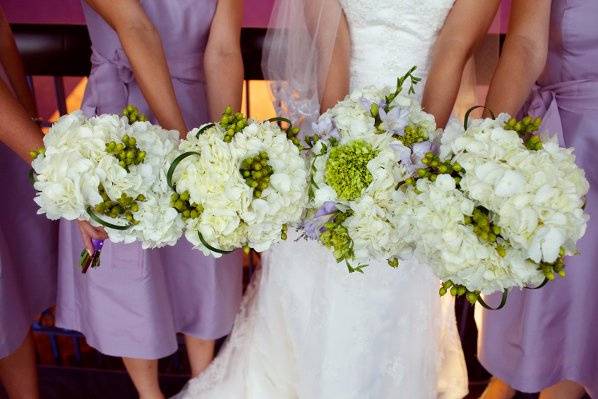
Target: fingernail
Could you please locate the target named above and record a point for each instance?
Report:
(89, 252)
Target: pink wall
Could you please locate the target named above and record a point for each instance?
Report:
(257, 12)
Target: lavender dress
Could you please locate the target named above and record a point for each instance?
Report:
(28, 253)
(136, 302)
(549, 335)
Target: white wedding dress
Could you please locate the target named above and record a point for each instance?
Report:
(307, 328)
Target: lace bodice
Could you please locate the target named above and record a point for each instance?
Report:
(390, 36)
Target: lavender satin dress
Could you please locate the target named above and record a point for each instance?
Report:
(28, 253)
(549, 335)
(136, 302)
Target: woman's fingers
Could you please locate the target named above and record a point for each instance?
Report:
(86, 236)
(88, 233)
(100, 233)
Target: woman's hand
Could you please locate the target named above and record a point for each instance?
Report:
(88, 233)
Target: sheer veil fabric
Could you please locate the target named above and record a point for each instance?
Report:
(297, 55)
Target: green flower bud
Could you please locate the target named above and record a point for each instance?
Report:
(374, 110)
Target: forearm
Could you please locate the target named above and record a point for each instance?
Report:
(334, 78)
(518, 70)
(224, 81)
(17, 130)
(13, 66)
(444, 80)
(143, 47)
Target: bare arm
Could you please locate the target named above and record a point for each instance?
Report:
(143, 46)
(223, 63)
(13, 66)
(464, 28)
(334, 47)
(17, 130)
(523, 58)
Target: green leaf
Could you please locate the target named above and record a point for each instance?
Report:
(503, 301)
(470, 110)
(355, 269)
(211, 248)
(104, 223)
(279, 119)
(174, 165)
(203, 129)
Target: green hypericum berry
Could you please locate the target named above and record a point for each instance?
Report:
(283, 232)
(472, 297)
(346, 169)
(36, 153)
(562, 273)
(257, 171)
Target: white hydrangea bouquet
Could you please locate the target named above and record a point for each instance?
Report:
(363, 149)
(500, 207)
(238, 184)
(112, 173)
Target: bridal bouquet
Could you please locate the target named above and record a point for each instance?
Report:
(499, 207)
(363, 149)
(238, 183)
(112, 173)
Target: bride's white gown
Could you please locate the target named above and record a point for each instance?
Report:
(307, 329)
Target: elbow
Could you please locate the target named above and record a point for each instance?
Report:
(534, 52)
(140, 27)
(218, 56)
(452, 52)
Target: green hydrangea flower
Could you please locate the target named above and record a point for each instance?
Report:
(346, 170)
